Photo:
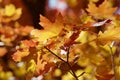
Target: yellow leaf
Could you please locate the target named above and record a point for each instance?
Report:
(85, 37)
(11, 13)
(19, 11)
(104, 10)
(17, 14)
(31, 66)
(109, 35)
(41, 35)
(9, 10)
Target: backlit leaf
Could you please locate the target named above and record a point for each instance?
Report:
(109, 36)
(104, 10)
(41, 35)
(51, 29)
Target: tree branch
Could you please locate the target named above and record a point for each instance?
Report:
(66, 62)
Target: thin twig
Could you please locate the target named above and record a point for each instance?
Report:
(68, 55)
(113, 60)
(81, 74)
(55, 55)
(73, 73)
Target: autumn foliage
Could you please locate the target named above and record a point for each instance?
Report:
(82, 48)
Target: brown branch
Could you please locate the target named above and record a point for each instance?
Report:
(66, 62)
(68, 55)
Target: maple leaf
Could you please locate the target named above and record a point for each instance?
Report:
(109, 36)
(17, 56)
(24, 49)
(40, 64)
(51, 29)
(54, 27)
(102, 11)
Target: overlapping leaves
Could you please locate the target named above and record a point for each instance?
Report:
(62, 43)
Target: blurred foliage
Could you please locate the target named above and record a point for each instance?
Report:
(11, 33)
(79, 44)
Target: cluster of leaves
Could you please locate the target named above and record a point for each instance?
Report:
(11, 32)
(85, 49)
(70, 47)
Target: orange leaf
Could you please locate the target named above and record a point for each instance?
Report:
(29, 43)
(17, 56)
(51, 29)
(54, 27)
(40, 64)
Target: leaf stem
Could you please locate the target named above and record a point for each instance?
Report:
(113, 60)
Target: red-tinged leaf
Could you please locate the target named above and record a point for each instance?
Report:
(105, 77)
(71, 40)
(42, 65)
(29, 43)
(17, 56)
(87, 25)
